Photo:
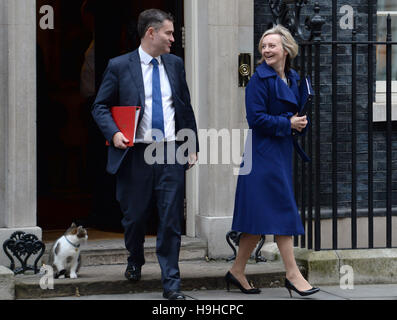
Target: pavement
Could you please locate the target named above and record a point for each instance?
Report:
(331, 301)
(201, 280)
(103, 290)
(102, 278)
(109, 279)
(358, 292)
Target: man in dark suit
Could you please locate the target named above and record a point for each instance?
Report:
(154, 79)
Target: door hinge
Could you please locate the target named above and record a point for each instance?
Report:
(183, 37)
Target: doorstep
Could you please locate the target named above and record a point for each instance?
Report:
(109, 279)
(113, 251)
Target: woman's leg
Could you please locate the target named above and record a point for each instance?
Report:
(293, 274)
(247, 244)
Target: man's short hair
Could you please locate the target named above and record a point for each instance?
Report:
(152, 18)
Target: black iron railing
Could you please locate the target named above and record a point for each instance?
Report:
(308, 176)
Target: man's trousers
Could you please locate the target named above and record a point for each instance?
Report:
(140, 186)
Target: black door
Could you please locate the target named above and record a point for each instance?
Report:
(72, 182)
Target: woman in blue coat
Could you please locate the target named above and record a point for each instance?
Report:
(265, 202)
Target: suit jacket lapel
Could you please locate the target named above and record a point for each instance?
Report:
(285, 93)
(282, 91)
(136, 74)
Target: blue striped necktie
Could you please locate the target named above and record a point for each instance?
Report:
(157, 104)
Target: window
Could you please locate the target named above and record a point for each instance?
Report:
(385, 7)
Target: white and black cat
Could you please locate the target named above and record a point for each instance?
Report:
(64, 256)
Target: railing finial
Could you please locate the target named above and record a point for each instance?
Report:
(290, 17)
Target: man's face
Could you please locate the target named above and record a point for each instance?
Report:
(163, 38)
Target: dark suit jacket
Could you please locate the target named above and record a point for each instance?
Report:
(122, 85)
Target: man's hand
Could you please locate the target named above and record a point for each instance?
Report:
(298, 123)
(120, 141)
(192, 160)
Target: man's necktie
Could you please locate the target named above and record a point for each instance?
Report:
(157, 105)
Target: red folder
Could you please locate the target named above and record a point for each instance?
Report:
(126, 119)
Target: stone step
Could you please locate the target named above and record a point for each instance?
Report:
(113, 251)
(109, 279)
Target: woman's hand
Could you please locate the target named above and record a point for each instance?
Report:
(298, 123)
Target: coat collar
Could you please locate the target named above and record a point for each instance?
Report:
(136, 74)
(265, 71)
(283, 92)
(147, 58)
(137, 77)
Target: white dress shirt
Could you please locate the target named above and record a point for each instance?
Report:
(145, 125)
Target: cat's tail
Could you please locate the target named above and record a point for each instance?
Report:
(60, 273)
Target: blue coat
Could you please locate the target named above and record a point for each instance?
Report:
(265, 202)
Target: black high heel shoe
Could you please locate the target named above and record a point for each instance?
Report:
(290, 287)
(229, 278)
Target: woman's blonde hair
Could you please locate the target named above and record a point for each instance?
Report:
(287, 40)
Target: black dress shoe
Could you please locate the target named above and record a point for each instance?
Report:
(133, 273)
(229, 278)
(174, 295)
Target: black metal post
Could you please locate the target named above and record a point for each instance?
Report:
(296, 186)
(310, 166)
(316, 24)
(303, 164)
(317, 214)
(334, 127)
(388, 135)
(354, 142)
(370, 128)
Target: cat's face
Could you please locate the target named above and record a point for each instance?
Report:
(79, 231)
